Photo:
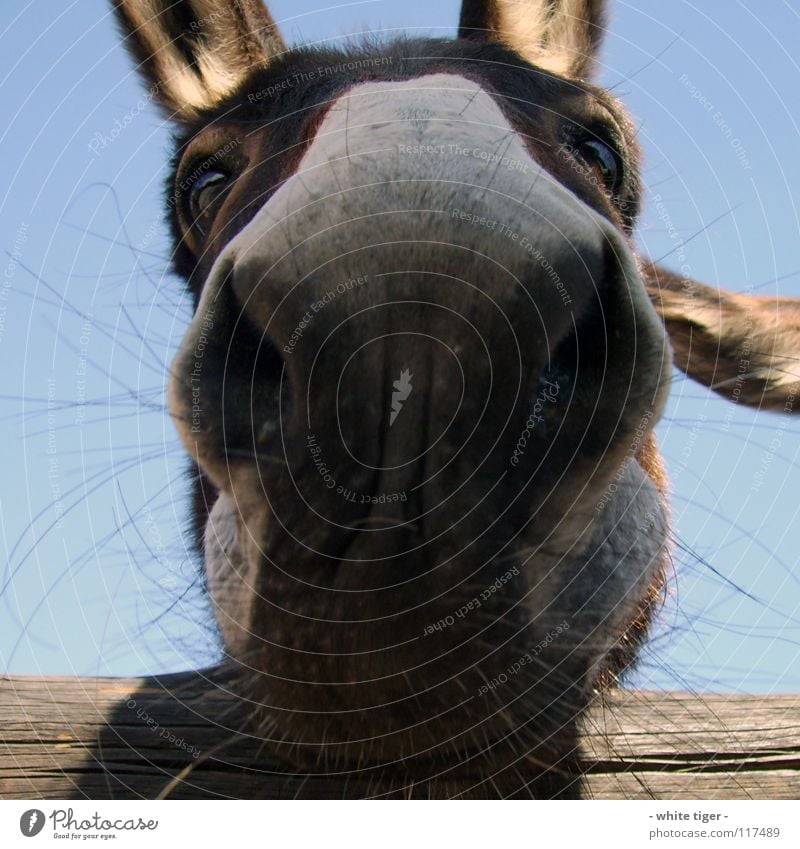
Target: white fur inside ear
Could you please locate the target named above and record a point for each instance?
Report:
(197, 66)
(556, 36)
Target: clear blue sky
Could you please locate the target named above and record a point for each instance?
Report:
(96, 577)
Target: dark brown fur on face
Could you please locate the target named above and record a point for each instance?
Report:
(441, 614)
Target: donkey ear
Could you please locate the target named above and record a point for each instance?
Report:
(194, 52)
(562, 36)
(744, 347)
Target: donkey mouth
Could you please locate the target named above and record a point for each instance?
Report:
(390, 494)
(358, 674)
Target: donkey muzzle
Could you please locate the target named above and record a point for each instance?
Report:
(402, 293)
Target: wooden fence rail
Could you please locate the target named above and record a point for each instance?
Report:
(170, 736)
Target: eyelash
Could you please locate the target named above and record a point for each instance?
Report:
(204, 174)
(578, 140)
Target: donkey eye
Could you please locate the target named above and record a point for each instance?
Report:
(204, 192)
(601, 160)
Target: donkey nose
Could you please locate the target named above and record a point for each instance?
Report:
(405, 289)
(418, 191)
(410, 282)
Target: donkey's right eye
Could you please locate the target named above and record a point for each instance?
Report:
(205, 190)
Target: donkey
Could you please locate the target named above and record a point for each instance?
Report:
(421, 381)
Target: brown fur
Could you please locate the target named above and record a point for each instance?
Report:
(742, 346)
(220, 43)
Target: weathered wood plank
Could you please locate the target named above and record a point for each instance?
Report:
(174, 735)
(781, 784)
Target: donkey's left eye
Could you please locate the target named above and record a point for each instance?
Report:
(204, 192)
(602, 160)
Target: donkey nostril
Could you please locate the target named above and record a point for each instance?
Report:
(256, 389)
(270, 392)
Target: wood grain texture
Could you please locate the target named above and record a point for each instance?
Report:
(172, 735)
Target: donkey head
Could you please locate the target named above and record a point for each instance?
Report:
(421, 380)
